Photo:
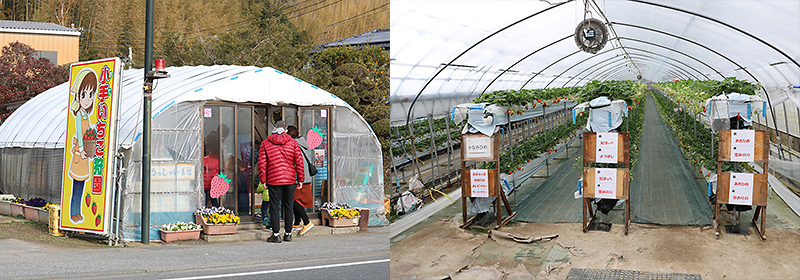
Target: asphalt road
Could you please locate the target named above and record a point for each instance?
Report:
(354, 256)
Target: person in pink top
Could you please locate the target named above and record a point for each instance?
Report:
(280, 168)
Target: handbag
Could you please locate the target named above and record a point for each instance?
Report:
(312, 170)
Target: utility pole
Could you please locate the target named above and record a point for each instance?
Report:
(149, 76)
(147, 103)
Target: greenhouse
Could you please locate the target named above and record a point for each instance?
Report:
(676, 77)
(228, 109)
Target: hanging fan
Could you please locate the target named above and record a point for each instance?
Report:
(591, 35)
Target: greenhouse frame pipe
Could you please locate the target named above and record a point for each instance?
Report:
(678, 61)
(520, 60)
(786, 113)
(565, 84)
(666, 62)
(674, 50)
(615, 48)
(670, 74)
(548, 66)
(723, 24)
(595, 70)
(599, 68)
(611, 71)
(772, 112)
(411, 107)
(657, 45)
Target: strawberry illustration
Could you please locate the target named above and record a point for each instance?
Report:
(219, 185)
(97, 220)
(88, 200)
(94, 208)
(314, 137)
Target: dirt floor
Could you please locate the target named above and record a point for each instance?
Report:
(29, 231)
(444, 251)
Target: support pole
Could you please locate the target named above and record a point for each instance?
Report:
(148, 101)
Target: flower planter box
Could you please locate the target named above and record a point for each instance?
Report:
(212, 229)
(31, 213)
(16, 209)
(327, 220)
(5, 207)
(44, 215)
(169, 236)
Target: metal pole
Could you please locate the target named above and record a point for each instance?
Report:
(148, 100)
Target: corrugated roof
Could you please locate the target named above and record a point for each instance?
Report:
(377, 37)
(36, 27)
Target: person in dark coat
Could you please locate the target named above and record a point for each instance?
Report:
(280, 164)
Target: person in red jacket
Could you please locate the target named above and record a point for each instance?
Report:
(280, 167)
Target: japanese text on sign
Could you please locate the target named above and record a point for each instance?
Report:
(741, 189)
(605, 180)
(742, 145)
(479, 182)
(477, 147)
(606, 145)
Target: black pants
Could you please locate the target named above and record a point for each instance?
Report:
(214, 201)
(281, 195)
(300, 213)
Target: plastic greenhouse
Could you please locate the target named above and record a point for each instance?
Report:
(232, 107)
(527, 55)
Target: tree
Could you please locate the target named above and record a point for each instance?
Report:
(360, 77)
(23, 75)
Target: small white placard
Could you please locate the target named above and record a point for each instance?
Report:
(742, 145)
(606, 145)
(323, 113)
(741, 189)
(479, 182)
(207, 113)
(478, 147)
(605, 180)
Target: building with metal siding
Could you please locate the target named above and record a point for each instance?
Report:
(52, 41)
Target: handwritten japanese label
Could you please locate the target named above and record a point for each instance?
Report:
(742, 145)
(605, 180)
(606, 145)
(477, 147)
(741, 189)
(479, 182)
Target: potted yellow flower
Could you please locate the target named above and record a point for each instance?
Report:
(216, 220)
(339, 215)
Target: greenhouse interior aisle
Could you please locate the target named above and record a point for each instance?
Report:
(664, 190)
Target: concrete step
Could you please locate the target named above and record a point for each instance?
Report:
(263, 234)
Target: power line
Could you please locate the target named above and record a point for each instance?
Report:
(361, 14)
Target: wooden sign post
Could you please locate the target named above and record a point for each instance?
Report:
(743, 188)
(482, 182)
(612, 183)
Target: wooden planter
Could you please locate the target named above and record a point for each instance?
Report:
(5, 207)
(16, 209)
(327, 220)
(169, 236)
(212, 229)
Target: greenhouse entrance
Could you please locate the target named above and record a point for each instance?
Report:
(663, 191)
(228, 128)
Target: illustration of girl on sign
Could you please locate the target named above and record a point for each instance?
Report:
(83, 142)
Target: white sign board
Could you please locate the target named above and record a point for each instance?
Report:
(743, 145)
(606, 145)
(741, 189)
(478, 148)
(606, 180)
(479, 182)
